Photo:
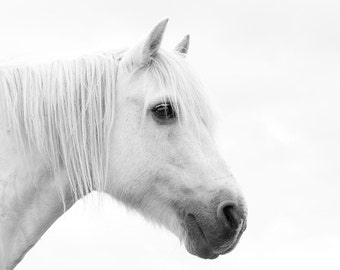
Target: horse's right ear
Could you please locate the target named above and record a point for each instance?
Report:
(151, 45)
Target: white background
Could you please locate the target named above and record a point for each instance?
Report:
(273, 69)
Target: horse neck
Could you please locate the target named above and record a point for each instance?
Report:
(30, 201)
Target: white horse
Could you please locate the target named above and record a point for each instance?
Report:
(133, 124)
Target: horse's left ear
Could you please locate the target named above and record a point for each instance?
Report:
(183, 46)
(151, 46)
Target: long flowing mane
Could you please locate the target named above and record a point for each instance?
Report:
(65, 111)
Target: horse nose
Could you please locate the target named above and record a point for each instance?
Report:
(229, 214)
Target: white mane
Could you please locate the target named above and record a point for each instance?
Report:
(65, 109)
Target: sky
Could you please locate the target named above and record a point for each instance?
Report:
(272, 69)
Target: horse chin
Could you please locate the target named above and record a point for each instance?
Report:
(200, 248)
(198, 244)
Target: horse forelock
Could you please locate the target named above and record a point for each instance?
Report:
(177, 83)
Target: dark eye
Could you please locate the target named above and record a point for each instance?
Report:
(164, 112)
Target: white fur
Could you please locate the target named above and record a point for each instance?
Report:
(71, 127)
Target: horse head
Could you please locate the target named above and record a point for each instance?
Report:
(163, 160)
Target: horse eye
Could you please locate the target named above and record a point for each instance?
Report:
(164, 112)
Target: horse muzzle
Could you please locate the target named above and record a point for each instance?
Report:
(213, 233)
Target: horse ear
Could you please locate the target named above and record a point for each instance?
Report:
(151, 46)
(183, 46)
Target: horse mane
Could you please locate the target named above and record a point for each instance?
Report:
(65, 109)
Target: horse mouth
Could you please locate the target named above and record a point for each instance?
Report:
(201, 243)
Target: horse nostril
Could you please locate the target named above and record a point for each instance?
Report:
(227, 211)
